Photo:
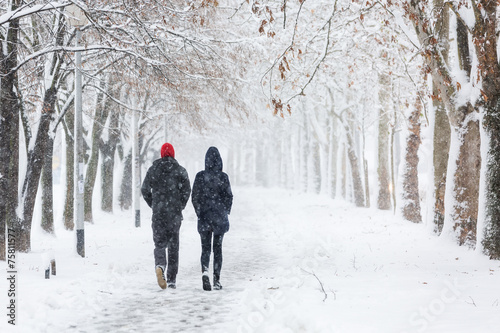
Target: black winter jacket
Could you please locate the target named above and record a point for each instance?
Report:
(212, 197)
(166, 189)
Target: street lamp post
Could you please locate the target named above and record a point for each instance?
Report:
(137, 170)
(76, 17)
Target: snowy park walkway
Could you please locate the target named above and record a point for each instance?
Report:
(292, 263)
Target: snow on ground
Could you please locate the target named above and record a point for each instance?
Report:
(292, 263)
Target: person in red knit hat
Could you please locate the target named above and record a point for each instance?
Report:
(166, 189)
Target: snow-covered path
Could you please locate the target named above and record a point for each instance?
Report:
(292, 263)
(140, 306)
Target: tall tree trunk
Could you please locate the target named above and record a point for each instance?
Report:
(333, 152)
(290, 158)
(359, 198)
(108, 149)
(393, 162)
(47, 188)
(101, 115)
(365, 169)
(442, 132)
(283, 160)
(125, 198)
(316, 166)
(304, 156)
(367, 184)
(411, 205)
(466, 177)
(314, 147)
(9, 130)
(34, 169)
(442, 129)
(486, 45)
(42, 142)
(9, 159)
(69, 125)
(484, 40)
(383, 171)
(343, 181)
(491, 240)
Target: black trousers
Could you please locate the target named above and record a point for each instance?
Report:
(165, 240)
(206, 249)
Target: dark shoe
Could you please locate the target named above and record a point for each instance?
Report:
(171, 285)
(217, 285)
(206, 282)
(160, 277)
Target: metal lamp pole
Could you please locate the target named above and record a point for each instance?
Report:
(77, 19)
(137, 170)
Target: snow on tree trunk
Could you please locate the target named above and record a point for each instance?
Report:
(394, 147)
(343, 180)
(441, 139)
(442, 128)
(358, 192)
(383, 171)
(107, 168)
(295, 154)
(68, 126)
(411, 198)
(315, 138)
(108, 149)
(304, 155)
(316, 166)
(466, 181)
(47, 189)
(42, 142)
(36, 156)
(464, 209)
(284, 160)
(441, 143)
(125, 198)
(486, 45)
(333, 147)
(365, 170)
(440, 162)
(101, 115)
(491, 240)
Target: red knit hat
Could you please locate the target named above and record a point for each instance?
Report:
(167, 150)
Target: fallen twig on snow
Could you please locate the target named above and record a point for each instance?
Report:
(320, 283)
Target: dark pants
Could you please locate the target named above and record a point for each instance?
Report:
(170, 241)
(206, 248)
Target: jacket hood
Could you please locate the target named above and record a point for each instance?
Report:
(213, 161)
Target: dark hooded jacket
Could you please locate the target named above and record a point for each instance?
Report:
(212, 197)
(166, 189)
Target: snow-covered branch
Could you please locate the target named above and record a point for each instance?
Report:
(26, 10)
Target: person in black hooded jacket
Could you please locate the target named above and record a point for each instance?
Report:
(166, 189)
(212, 200)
